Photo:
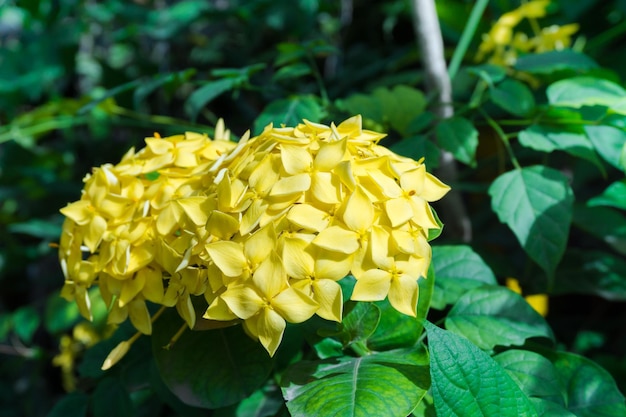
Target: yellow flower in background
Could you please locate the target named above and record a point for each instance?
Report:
(539, 302)
(263, 229)
(503, 44)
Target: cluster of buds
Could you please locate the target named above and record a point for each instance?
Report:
(262, 229)
(502, 45)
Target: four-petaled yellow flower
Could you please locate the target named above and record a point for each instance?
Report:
(263, 229)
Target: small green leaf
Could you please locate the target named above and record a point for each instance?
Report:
(71, 405)
(359, 321)
(585, 91)
(228, 367)
(264, 402)
(458, 269)
(590, 390)
(613, 196)
(491, 74)
(25, 322)
(295, 70)
(203, 95)
(43, 229)
(467, 382)
(151, 84)
(552, 61)
(289, 112)
(496, 316)
(609, 142)
(514, 97)
(401, 105)
(460, 137)
(548, 139)
(390, 382)
(536, 203)
(111, 399)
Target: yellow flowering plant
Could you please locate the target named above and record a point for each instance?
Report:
(262, 230)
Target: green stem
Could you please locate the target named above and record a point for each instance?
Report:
(503, 137)
(468, 33)
(319, 80)
(45, 126)
(360, 348)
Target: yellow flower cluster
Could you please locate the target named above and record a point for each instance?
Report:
(502, 45)
(263, 229)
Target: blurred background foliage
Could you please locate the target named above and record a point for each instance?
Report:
(81, 81)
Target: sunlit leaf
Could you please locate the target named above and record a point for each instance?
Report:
(514, 97)
(552, 61)
(460, 137)
(609, 142)
(585, 91)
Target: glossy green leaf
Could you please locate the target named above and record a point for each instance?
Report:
(514, 97)
(536, 203)
(391, 382)
(111, 399)
(458, 269)
(534, 374)
(489, 73)
(396, 330)
(460, 137)
(585, 91)
(466, 382)
(203, 95)
(548, 139)
(228, 367)
(496, 316)
(592, 272)
(359, 322)
(417, 147)
(71, 405)
(289, 112)
(552, 61)
(26, 320)
(604, 223)
(590, 390)
(613, 196)
(609, 142)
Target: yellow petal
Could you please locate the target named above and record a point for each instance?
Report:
(95, 232)
(403, 294)
(399, 211)
(332, 265)
(379, 246)
(330, 154)
(295, 159)
(116, 355)
(222, 225)
(169, 219)
(337, 239)
(153, 288)
(159, 146)
(270, 277)
(243, 301)
(326, 187)
(252, 216)
(294, 305)
(373, 285)
(218, 310)
(265, 175)
(130, 288)
(115, 206)
(140, 256)
(83, 302)
(291, 185)
(433, 188)
(260, 244)
(140, 316)
(228, 256)
(328, 294)
(308, 217)
(270, 327)
(422, 214)
(196, 208)
(185, 310)
(297, 261)
(412, 181)
(79, 211)
(359, 212)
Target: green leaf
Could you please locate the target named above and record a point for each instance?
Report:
(460, 137)
(609, 142)
(43, 229)
(592, 272)
(71, 405)
(467, 382)
(458, 269)
(264, 402)
(359, 321)
(212, 368)
(548, 139)
(111, 399)
(491, 74)
(585, 91)
(536, 203)
(613, 196)
(590, 390)
(552, 61)
(604, 223)
(396, 330)
(417, 147)
(496, 316)
(392, 382)
(148, 86)
(400, 105)
(289, 112)
(25, 322)
(534, 374)
(60, 314)
(295, 70)
(203, 95)
(514, 97)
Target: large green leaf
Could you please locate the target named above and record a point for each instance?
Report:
(381, 384)
(613, 196)
(458, 269)
(609, 142)
(460, 137)
(212, 368)
(552, 61)
(289, 112)
(467, 382)
(590, 390)
(496, 316)
(548, 139)
(536, 203)
(585, 91)
(514, 97)
(203, 95)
